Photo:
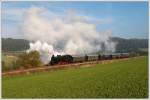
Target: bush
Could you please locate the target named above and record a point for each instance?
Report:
(31, 59)
(25, 60)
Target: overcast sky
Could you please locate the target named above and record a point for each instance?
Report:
(123, 19)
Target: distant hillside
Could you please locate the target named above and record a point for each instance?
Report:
(9, 44)
(129, 45)
(123, 45)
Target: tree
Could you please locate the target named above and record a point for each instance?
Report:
(31, 59)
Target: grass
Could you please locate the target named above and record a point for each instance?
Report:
(8, 62)
(125, 79)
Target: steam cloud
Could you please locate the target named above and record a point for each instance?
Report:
(70, 34)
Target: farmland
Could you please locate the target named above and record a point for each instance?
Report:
(124, 79)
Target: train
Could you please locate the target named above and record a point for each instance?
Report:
(68, 59)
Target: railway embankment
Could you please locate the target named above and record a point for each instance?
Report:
(59, 67)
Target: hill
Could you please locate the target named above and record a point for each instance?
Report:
(9, 44)
(129, 45)
(123, 45)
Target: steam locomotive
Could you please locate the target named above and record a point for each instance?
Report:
(67, 59)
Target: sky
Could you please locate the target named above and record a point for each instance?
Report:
(123, 19)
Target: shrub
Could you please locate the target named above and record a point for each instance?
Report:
(31, 59)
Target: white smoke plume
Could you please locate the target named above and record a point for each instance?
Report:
(69, 33)
(46, 51)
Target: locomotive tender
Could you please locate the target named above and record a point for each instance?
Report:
(67, 59)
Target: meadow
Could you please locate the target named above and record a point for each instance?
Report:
(122, 79)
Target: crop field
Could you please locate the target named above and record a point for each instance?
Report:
(124, 79)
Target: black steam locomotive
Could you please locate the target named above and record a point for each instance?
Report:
(67, 59)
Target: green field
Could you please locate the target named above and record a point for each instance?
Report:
(124, 79)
